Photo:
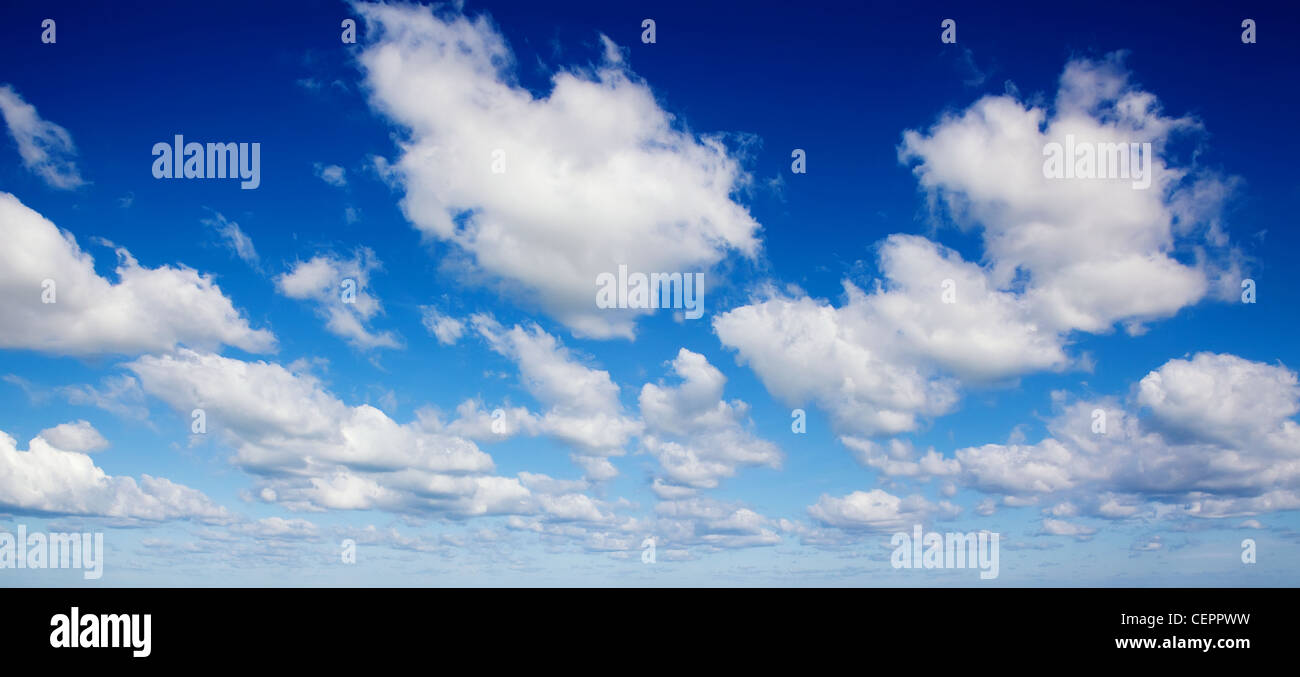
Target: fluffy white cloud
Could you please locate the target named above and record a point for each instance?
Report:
(595, 174)
(876, 510)
(146, 310)
(78, 437)
(1224, 399)
(1218, 441)
(447, 329)
(46, 148)
(1213, 436)
(46, 479)
(339, 288)
(697, 437)
(314, 452)
(583, 406)
(1088, 252)
(286, 422)
(883, 358)
(898, 458)
(1060, 256)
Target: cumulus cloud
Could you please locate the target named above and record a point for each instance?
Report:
(1211, 436)
(339, 289)
(1060, 256)
(44, 479)
(1088, 253)
(582, 403)
(1224, 399)
(145, 310)
(594, 174)
(698, 437)
(447, 329)
(78, 437)
(898, 458)
(311, 451)
(713, 524)
(886, 357)
(46, 148)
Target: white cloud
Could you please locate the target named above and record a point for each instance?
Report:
(146, 310)
(276, 528)
(1224, 399)
(898, 458)
(1055, 527)
(447, 329)
(874, 510)
(313, 452)
(697, 437)
(596, 174)
(234, 239)
(334, 175)
(1089, 253)
(715, 525)
(46, 479)
(119, 394)
(78, 437)
(886, 357)
(475, 421)
(346, 309)
(1218, 441)
(1060, 256)
(46, 148)
(583, 406)
(286, 422)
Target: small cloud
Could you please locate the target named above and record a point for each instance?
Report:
(234, 239)
(78, 437)
(1055, 527)
(46, 148)
(334, 175)
(972, 76)
(447, 329)
(339, 288)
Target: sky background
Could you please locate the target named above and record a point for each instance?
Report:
(328, 421)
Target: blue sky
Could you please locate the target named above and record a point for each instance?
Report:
(329, 421)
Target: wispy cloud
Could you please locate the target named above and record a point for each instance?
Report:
(46, 148)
